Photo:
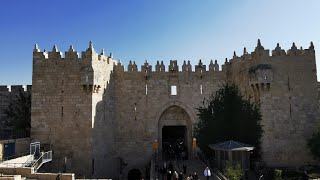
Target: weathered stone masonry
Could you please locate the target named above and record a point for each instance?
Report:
(97, 114)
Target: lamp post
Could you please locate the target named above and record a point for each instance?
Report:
(194, 146)
(155, 149)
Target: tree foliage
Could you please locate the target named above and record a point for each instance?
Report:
(233, 171)
(314, 145)
(228, 115)
(19, 112)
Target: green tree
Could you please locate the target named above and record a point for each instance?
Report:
(277, 174)
(228, 115)
(314, 145)
(19, 112)
(233, 171)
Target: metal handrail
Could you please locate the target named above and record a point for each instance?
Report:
(45, 157)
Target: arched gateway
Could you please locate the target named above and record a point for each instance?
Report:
(175, 132)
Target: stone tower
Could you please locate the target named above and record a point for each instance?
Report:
(65, 93)
(286, 85)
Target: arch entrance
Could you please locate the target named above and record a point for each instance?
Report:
(175, 133)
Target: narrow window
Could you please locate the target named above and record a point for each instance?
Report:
(62, 111)
(62, 86)
(87, 78)
(289, 88)
(135, 111)
(92, 168)
(173, 90)
(290, 110)
(146, 89)
(201, 89)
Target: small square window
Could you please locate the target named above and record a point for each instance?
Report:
(173, 90)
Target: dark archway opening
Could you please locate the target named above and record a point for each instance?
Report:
(134, 174)
(174, 142)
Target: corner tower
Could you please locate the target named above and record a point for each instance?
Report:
(65, 94)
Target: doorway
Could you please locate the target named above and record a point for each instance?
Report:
(174, 142)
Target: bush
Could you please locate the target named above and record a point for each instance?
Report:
(233, 171)
(277, 174)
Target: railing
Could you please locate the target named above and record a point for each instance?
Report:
(31, 162)
(45, 157)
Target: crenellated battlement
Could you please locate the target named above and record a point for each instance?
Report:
(172, 67)
(71, 55)
(90, 55)
(15, 88)
(260, 51)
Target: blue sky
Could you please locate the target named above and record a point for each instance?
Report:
(151, 29)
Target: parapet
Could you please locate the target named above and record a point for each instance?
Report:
(278, 51)
(173, 67)
(15, 88)
(90, 55)
(71, 55)
(4, 89)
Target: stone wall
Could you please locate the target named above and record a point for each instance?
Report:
(100, 116)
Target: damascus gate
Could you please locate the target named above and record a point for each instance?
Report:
(101, 117)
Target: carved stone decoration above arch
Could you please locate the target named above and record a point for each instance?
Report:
(188, 110)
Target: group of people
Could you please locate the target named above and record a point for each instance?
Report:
(174, 149)
(167, 172)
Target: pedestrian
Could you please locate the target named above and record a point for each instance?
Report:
(184, 169)
(195, 176)
(169, 175)
(170, 166)
(207, 173)
(180, 176)
(176, 176)
(165, 166)
(189, 177)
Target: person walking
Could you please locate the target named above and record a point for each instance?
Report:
(176, 175)
(180, 176)
(195, 176)
(169, 175)
(184, 169)
(207, 173)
